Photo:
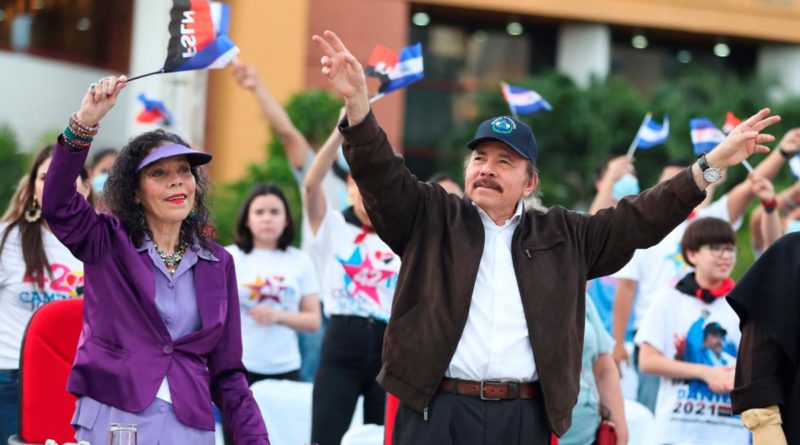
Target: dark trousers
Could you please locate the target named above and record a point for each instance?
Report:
(466, 420)
(253, 377)
(9, 403)
(349, 363)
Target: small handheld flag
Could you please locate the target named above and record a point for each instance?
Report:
(154, 111)
(650, 134)
(705, 135)
(731, 121)
(409, 69)
(198, 37)
(381, 63)
(523, 101)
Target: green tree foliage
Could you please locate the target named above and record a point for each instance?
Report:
(314, 113)
(12, 164)
(586, 127)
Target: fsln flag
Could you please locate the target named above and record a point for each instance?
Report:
(731, 121)
(221, 17)
(194, 40)
(381, 63)
(154, 111)
(409, 69)
(523, 100)
(705, 135)
(651, 133)
(794, 164)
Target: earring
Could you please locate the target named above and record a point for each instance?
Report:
(34, 212)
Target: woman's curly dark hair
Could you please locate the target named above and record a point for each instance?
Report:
(123, 182)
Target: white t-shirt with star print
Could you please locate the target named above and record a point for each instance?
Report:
(358, 271)
(280, 279)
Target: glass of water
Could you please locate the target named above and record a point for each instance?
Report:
(122, 434)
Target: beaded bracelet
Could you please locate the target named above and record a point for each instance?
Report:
(77, 135)
(69, 133)
(770, 206)
(81, 128)
(74, 145)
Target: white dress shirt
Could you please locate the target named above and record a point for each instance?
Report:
(495, 344)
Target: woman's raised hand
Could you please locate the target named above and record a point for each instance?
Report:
(99, 99)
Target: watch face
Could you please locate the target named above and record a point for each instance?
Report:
(712, 174)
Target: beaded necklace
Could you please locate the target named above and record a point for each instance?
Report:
(171, 260)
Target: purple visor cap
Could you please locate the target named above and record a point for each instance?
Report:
(194, 157)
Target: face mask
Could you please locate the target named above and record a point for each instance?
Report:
(625, 186)
(793, 226)
(98, 182)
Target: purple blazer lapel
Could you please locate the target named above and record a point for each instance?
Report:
(209, 282)
(143, 273)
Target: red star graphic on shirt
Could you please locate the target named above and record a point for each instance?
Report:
(366, 278)
(264, 290)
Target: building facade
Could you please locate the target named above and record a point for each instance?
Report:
(50, 50)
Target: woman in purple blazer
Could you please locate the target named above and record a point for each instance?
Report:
(161, 332)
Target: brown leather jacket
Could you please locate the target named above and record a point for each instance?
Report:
(440, 240)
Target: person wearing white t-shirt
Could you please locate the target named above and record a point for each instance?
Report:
(35, 268)
(690, 337)
(278, 288)
(359, 274)
(300, 154)
(661, 266)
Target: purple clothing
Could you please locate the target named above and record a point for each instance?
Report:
(176, 301)
(156, 425)
(125, 349)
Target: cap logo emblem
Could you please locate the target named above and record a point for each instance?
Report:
(503, 125)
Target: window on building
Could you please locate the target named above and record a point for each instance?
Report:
(90, 32)
(646, 58)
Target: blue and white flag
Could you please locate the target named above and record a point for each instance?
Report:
(651, 133)
(198, 37)
(221, 17)
(408, 70)
(705, 135)
(524, 101)
(794, 164)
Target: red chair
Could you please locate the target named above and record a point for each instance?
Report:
(48, 350)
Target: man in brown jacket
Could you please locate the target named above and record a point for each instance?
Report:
(485, 337)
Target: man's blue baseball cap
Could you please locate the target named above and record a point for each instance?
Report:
(509, 131)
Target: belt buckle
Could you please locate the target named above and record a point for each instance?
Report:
(483, 382)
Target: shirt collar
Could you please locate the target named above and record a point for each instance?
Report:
(147, 244)
(513, 220)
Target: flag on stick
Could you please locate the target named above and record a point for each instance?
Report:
(650, 134)
(731, 121)
(198, 37)
(409, 69)
(154, 111)
(705, 135)
(381, 63)
(523, 101)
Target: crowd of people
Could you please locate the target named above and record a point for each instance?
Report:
(492, 319)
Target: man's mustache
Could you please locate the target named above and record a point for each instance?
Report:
(488, 183)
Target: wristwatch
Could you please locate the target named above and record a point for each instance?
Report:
(710, 174)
